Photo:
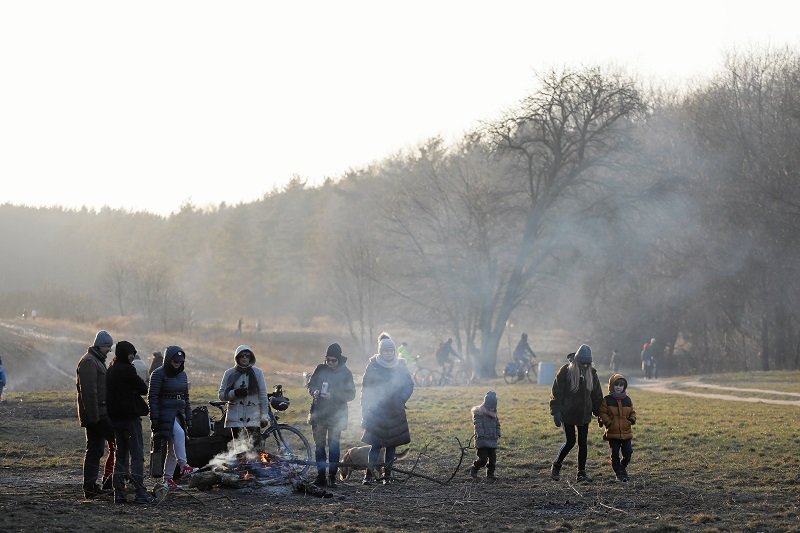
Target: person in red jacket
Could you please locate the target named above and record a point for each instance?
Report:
(617, 415)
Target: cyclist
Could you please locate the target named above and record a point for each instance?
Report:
(405, 354)
(522, 351)
(443, 353)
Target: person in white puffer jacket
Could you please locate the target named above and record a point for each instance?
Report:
(245, 390)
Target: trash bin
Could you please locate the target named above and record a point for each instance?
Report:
(547, 373)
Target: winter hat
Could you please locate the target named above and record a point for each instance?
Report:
(584, 354)
(490, 400)
(103, 339)
(335, 351)
(124, 350)
(244, 348)
(613, 379)
(386, 344)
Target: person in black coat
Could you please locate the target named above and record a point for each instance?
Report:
(331, 387)
(125, 408)
(385, 389)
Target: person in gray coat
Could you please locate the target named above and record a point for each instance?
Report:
(245, 390)
(385, 389)
(487, 431)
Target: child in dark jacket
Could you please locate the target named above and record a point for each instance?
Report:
(487, 431)
(617, 415)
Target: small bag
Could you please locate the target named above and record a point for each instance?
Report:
(158, 454)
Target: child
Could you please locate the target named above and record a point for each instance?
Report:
(487, 431)
(617, 415)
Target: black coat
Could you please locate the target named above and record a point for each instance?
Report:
(124, 390)
(168, 398)
(384, 393)
(331, 411)
(576, 408)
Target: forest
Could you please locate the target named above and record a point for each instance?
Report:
(596, 205)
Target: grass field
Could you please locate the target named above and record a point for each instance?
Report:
(699, 464)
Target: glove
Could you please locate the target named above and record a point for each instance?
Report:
(264, 423)
(241, 392)
(557, 419)
(632, 421)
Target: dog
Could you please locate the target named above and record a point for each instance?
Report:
(357, 458)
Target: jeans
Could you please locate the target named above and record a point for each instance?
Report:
(626, 447)
(176, 450)
(569, 432)
(375, 453)
(332, 436)
(129, 458)
(95, 444)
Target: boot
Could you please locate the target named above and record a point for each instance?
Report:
(490, 474)
(320, 481)
(582, 477)
(332, 476)
(91, 491)
(387, 475)
(555, 471)
(473, 472)
(369, 479)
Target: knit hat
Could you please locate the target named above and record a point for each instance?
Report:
(335, 351)
(584, 354)
(103, 339)
(124, 350)
(490, 400)
(386, 344)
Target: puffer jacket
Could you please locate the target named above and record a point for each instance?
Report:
(576, 408)
(331, 411)
(91, 384)
(250, 410)
(168, 397)
(384, 393)
(617, 414)
(487, 427)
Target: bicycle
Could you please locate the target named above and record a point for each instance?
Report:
(423, 376)
(516, 371)
(459, 374)
(282, 442)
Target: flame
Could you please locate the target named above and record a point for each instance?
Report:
(265, 458)
(246, 475)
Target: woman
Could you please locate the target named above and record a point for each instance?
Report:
(386, 388)
(244, 388)
(576, 396)
(331, 387)
(170, 411)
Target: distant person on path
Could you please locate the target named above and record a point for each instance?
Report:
(649, 359)
(385, 389)
(156, 362)
(523, 353)
(93, 410)
(617, 415)
(2, 379)
(331, 387)
(244, 388)
(614, 361)
(170, 411)
(239, 326)
(125, 408)
(443, 353)
(576, 396)
(487, 432)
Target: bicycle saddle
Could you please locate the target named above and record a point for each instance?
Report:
(217, 403)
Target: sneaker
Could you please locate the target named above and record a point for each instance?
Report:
(170, 484)
(620, 476)
(555, 471)
(473, 472)
(93, 491)
(368, 479)
(187, 470)
(387, 480)
(625, 475)
(582, 477)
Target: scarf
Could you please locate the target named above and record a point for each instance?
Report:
(252, 383)
(385, 364)
(619, 395)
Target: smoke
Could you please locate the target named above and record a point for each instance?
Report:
(241, 446)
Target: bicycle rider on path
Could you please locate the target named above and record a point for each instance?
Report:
(443, 353)
(521, 352)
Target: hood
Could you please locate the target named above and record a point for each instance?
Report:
(613, 379)
(244, 348)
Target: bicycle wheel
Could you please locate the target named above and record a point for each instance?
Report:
(289, 446)
(423, 377)
(530, 373)
(510, 377)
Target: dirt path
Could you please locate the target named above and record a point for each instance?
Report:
(665, 386)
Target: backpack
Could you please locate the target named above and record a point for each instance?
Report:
(201, 422)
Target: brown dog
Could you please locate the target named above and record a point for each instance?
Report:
(357, 459)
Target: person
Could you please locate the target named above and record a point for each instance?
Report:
(576, 396)
(156, 362)
(125, 409)
(649, 359)
(2, 379)
(404, 352)
(239, 326)
(523, 353)
(141, 367)
(487, 431)
(244, 388)
(331, 387)
(614, 361)
(385, 389)
(170, 411)
(443, 353)
(93, 410)
(617, 415)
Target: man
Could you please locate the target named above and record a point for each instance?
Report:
(125, 408)
(523, 352)
(443, 354)
(92, 410)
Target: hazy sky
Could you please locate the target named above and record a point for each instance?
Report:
(146, 105)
